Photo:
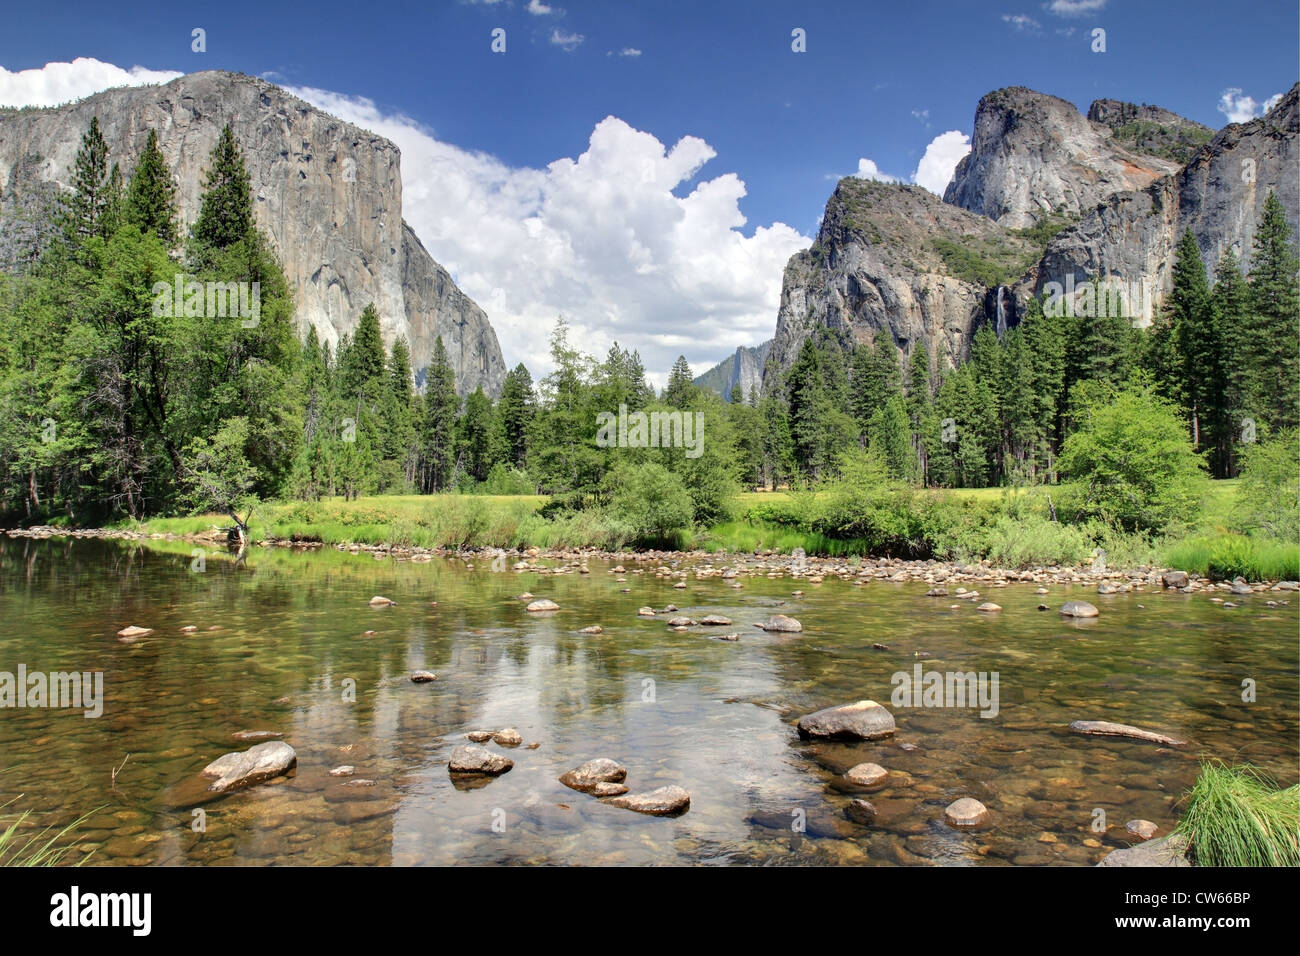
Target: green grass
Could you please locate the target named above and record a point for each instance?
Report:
(1237, 817)
(46, 847)
(1226, 556)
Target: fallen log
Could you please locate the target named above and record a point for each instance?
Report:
(1103, 728)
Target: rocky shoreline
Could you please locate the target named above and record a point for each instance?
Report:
(733, 565)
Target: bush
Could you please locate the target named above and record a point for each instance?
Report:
(1268, 500)
(651, 502)
(1133, 463)
(504, 480)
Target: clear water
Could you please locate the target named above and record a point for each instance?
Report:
(673, 707)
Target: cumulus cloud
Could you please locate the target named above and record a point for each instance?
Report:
(935, 169)
(539, 9)
(57, 83)
(1021, 22)
(599, 238)
(867, 169)
(1074, 8)
(568, 42)
(1239, 108)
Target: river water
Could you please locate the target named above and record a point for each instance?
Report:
(282, 646)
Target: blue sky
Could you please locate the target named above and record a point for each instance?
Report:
(878, 82)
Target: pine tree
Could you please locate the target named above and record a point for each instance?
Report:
(1195, 337)
(1271, 361)
(83, 214)
(438, 434)
(150, 202)
(874, 379)
(681, 389)
(1230, 310)
(226, 211)
(517, 406)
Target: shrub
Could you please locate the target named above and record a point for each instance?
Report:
(651, 502)
(1268, 500)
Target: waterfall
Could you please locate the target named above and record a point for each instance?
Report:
(1001, 326)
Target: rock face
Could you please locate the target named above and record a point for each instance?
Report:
(1150, 129)
(883, 267)
(864, 720)
(328, 193)
(1219, 195)
(235, 771)
(1033, 155)
(744, 368)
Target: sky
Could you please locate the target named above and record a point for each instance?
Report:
(645, 169)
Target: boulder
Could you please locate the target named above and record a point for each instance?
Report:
(863, 720)
(1166, 851)
(542, 604)
(966, 812)
(1174, 579)
(600, 770)
(473, 759)
(782, 624)
(245, 768)
(664, 802)
(1078, 609)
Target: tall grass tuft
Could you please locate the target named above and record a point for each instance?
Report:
(46, 847)
(1237, 817)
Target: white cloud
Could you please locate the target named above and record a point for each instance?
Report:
(539, 9)
(1240, 108)
(57, 83)
(935, 169)
(566, 41)
(1074, 8)
(629, 51)
(867, 169)
(600, 239)
(1022, 22)
(921, 116)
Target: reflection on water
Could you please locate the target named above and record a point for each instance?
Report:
(282, 646)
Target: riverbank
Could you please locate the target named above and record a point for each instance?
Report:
(734, 566)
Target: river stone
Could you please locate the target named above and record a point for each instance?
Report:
(471, 758)
(605, 789)
(1242, 589)
(966, 812)
(782, 624)
(1166, 851)
(863, 720)
(867, 775)
(248, 767)
(989, 606)
(645, 611)
(937, 592)
(508, 737)
(132, 632)
(594, 629)
(680, 622)
(861, 811)
(346, 770)
(1174, 579)
(715, 620)
(246, 736)
(378, 601)
(423, 677)
(1104, 728)
(600, 770)
(1142, 829)
(542, 604)
(664, 802)
(1078, 609)
(479, 736)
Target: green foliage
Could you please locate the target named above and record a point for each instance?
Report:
(1132, 460)
(651, 502)
(1236, 816)
(1269, 497)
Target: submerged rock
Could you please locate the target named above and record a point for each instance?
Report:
(863, 720)
(1142, 829)
(861, 811)
(867, 775)
(1079, 609)
(1167, 851)
(473, 759)
(664, 802)
(600, 770)
(1104, 728)
(255, 765)
(966, 812)
(346, 770)
(249, 735)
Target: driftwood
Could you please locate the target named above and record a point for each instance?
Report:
(1103, 728)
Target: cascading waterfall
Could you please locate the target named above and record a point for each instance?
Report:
(1001, 326)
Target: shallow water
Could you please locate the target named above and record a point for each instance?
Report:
(673, 707)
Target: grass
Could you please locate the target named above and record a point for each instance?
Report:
(1237, 817)
(1225, 556)
(42, 848)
